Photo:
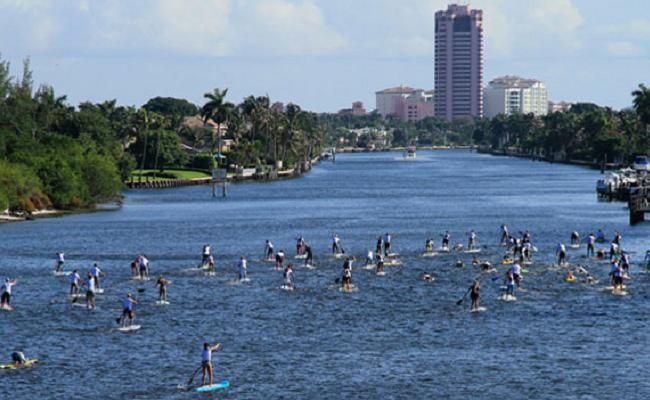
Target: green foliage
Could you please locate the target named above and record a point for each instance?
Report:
(163, 148)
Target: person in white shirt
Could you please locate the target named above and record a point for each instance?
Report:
(90, 292)
(242, 268)
(206, 361)
(5, 298)
(75, 283)
(60, 261)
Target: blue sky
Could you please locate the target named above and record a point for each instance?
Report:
(321, 54)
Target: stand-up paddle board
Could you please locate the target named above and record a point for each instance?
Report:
(26, 364)
(507, 297)
(162, 303)
(211, 388)
(129, 328)
(430, 254)
(61, 273)
(287, 288)
(6, 307)
(478, 309)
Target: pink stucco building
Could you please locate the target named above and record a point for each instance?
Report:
(459, 62)
(405, 103)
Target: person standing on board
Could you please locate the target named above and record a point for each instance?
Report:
(387, 243)
(380, 263)
(591, 240)
(428, 246)
(75, 283)
(346, 280)
(471, 240)
(370, 257)
(445, 241)
(288, 276)
(504, 234)
(575, 238)
(279, 260)
(380, 245)
(560, 251)
(60, 261)
(475, 295)
(96, 273)
(5, 298)
(127, 310)
(143, 267)
(646, 259)
(268, 250)
(206, 361)
(207, 251)
(336, 245)
(310, 255)
(162, 288)
(300, 245)
(90, 292)
(242, 268)
(617, 239)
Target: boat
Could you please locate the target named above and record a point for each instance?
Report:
(641, 163)
(409, 153)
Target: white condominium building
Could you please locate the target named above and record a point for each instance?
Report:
(512, 95)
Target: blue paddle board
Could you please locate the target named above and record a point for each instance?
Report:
(212, 388)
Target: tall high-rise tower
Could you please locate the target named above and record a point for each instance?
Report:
(458, 62)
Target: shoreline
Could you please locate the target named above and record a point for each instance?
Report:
(55, 213)
(580, 163)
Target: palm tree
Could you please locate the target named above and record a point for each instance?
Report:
(642, 106)
(217, 110)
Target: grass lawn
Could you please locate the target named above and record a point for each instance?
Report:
(177, 173)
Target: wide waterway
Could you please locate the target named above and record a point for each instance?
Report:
(397, 337)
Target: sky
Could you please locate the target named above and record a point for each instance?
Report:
(320, 54)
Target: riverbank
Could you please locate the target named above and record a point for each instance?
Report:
(513, 152)
(8, 217)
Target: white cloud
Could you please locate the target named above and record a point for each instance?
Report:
(287, 28)
(194, 27)
(623, 48)
(560, 18)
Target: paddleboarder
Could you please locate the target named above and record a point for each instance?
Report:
(162, 288)
(5, 298)
(127, 310)
(206, 361)
(475, 294)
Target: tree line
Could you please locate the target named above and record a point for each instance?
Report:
(55, 155)
(585, 132)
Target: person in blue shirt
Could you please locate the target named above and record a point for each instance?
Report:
(127, 310)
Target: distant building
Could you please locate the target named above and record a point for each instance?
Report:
(560, 106)
(514, 95)
(356, 110)
(405, 103)
(458, 62)
(277, 107)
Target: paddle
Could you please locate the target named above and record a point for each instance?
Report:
(459, 302)
(189, 381)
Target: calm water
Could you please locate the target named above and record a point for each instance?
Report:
(397, 337)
